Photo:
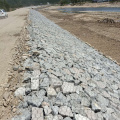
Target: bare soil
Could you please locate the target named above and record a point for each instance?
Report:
(12, 34)
(90, 28)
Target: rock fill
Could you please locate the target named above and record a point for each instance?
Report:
(66, 79)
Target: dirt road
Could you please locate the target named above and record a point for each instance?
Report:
(9, 33)
(102, 36)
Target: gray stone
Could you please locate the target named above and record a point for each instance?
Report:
(103, 109)
(56, 83)
(83, 80)
(59, 103)
(34, 101)
(57, 117)
(101, 84)
(44, 83)
(52, 100)
(68, 98)
(115, 98)
(80, 117)
(36, 53)
(25, 114)
(67, 118)
(41, 93)
(20, 91)
(61, 97)
(103, 101)
(107, 116)
(16, 118)
(105, 94)
(36, 68)
(58, 89)
(15, 68)
(99, 116)
(69, 78)
(45, 104)
(27, 91)
(48, 66)
(116, 116)
(95, 107)
(43, 75)
(68, 88)
(78, 89)
(51, 76)
(91, 83)
(36, 72)
(75, 97)
(55, 110)
(115, 87)
(58, 74)
(47, 110)
(51, 92)
(90, 92)
(28, 68)
(77, 82)
(74, 70)
(118, 107)
(46, 99)
(65, 111)
(110, 110)
(49, 117)
(85, 102)
(35, 83)
(66, 71)
(91, 114)
(61, 64)
(76, 107)
(27, 78)
(23, 105)
(37, 113)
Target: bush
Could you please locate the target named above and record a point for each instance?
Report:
(63, 2)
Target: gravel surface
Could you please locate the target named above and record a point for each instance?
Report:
(66, 79)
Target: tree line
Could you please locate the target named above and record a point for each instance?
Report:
(4, 5)
(23, 3)
(7, 4)
(63, 2)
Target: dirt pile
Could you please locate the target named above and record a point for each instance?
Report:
(107, 20)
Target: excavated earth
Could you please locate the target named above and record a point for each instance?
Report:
(64, 78)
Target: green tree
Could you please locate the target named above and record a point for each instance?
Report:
(63, 2)
(4, 5)
(18, 3)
